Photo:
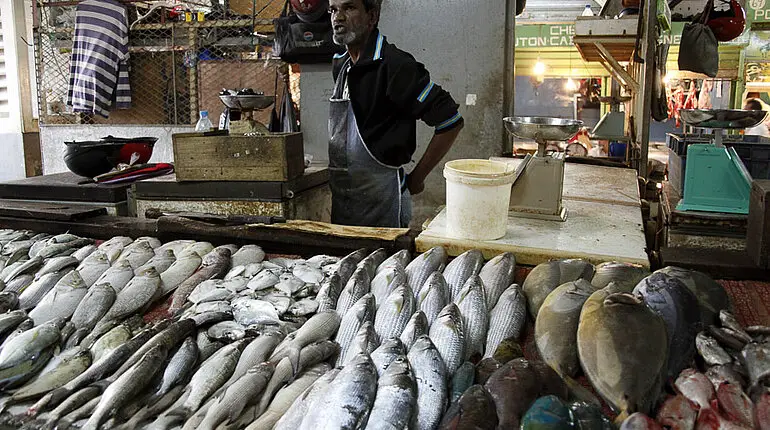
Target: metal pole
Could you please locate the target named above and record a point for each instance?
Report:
(648, 83)
(508, 69)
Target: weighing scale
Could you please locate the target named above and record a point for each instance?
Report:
(242, 107)
(537, 189)
(716, 179)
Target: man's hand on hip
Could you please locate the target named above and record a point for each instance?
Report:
(415, 185)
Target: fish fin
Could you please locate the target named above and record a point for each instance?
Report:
(293, 354)
(181, 411)
(579, 392)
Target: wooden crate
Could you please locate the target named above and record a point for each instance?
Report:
(758, 229)
(271, 157)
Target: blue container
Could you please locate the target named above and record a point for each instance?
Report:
(618, 149)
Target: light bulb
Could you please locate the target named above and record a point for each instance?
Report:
(539, 68)
(571, 85)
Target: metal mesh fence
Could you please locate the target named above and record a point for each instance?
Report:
(179, 62)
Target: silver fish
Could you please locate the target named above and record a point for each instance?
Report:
(417, 326)
(9, 321)
(433, 296)
(137, 254)
(448, 335)
(545, 277)
(84, 252)
(206, 345)
(128, 385)
(322, 260)
(35, 292)
(257, 351)
(110, 341)
(172, 335)
(280, 301)
(356, 287)
(394, 313)
(25, 267)
(177, 246)
(289, 284)
(200, 248)
(400, 259)
(263, 280)
(396, 397)
(62, 300)
(227, 407)
(20, 283)
(303, 307)
(625, 276)
(430, 375)
(160, 261)
(60, 370)
(247, 312)
(29, 344)
(366, 340)
(9, 301)
(118, 276)
(227, 330)
(209, 291)
(300, 407)
(348, 399)
(348, 265)
(507, 318)
(286, 396)
(57, 264)
(497, 275)
(472, 303)
(248, 254)
(386, 281)
(460, 269)
(372, 261)
(386, 353)
(136, 296)
(418, 271)
(713, 353)
(93, 267)
(179, 366)
(329, 293)
(212, 374)
(94, 306)
(308, 273)
(185, 265)
(361, 312)
(235, 284)
(321, 326)
(214, 265)
(23, 326)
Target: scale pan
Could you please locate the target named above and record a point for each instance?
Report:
(541, 128)
(722, 118)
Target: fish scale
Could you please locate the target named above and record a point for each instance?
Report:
(329, 293)
(211, 374)
(215, 264)
(417, 326)
(293, 417)
(118, 276)
(507, 319)
(229, 405)
(184, 266)
(460, 269)
(93, 267)
(448, 335)
(357, 287)
(56, 264)
(386, 353)
(497, 275)
(400, 259)
(372, 261)
(433, 296)
(361, 312)
(386, 281)
(393, 315)
(160, 261)
(430, 375)
(396, 397)
(139, 292)
(35, 292)
(348, 400)
(178, 366)
(419, 269)
(257, 351)
(96, 303)
(472, 303)
(62, 300)
(365, 341)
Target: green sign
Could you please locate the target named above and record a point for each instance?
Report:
(758, 11)
(560, 35)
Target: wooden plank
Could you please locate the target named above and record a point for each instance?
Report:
(62, 187)
(99, 227)
(167, 187)
(273, 157)
(49, 211)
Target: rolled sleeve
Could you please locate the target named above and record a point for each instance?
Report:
(410, 88)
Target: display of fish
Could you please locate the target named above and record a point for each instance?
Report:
(546, 277)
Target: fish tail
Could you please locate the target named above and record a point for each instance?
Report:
(579, 392)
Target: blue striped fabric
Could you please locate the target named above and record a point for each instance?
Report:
(99, 63)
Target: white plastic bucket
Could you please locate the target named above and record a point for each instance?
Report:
(478, 193)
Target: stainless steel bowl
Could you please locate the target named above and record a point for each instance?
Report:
(722, 118)
(542, 129)
(247, 102)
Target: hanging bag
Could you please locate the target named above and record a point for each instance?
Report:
(699, 49)
(304, 42)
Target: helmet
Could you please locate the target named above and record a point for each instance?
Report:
(309, 10)
(729, 24)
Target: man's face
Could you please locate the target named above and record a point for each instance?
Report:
(351, 22)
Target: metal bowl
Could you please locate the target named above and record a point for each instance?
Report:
(542, 129)
(722, 118)
(247, 101)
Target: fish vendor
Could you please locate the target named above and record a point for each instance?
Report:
(379, 94)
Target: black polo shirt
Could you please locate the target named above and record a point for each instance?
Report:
(389, 91)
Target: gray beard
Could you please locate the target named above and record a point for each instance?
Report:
(345, 39)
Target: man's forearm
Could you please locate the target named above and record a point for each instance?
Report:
(437, 148)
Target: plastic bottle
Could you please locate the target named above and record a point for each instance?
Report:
(587, 11)
(204, 124)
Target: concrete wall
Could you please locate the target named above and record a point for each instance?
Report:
(315, 85)
(52, 138)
